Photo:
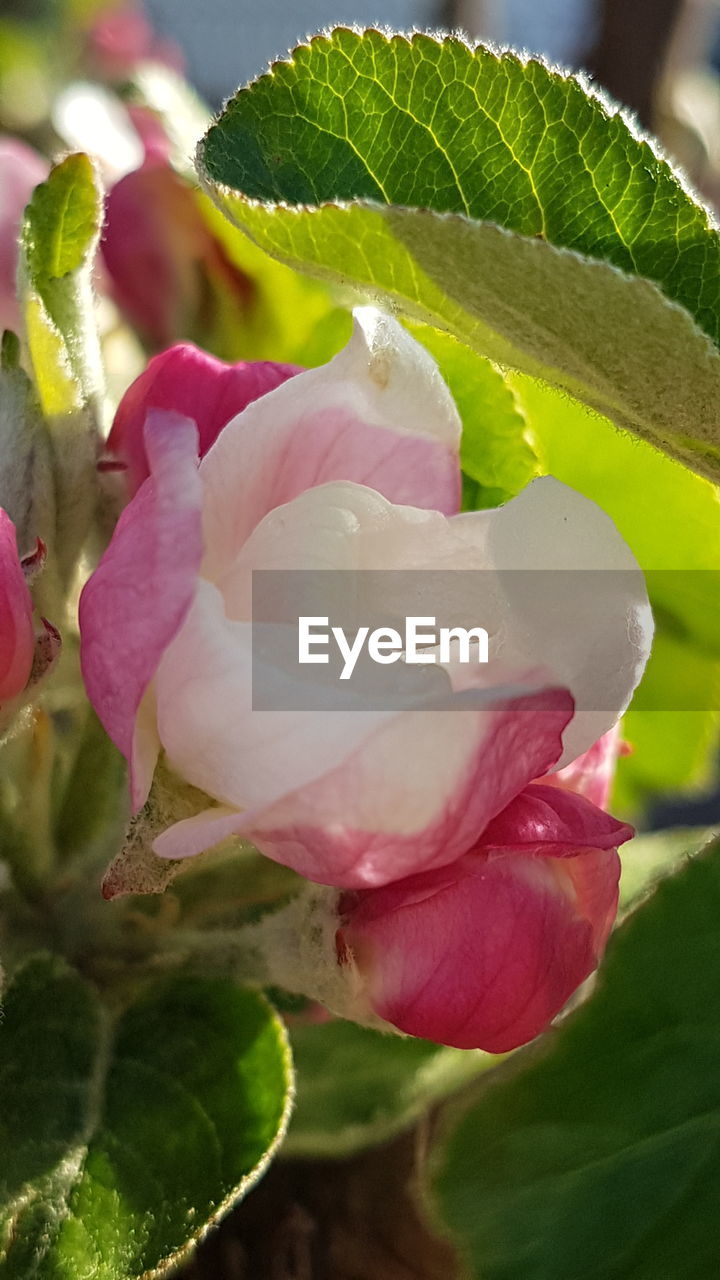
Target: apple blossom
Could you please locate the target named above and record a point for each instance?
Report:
(160, 256)
(350, 466)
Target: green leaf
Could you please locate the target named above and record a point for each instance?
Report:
(85, 813)
(672, 724)
(356, 1088)
(600, 1159)
(493, 198)
(60, 234)
(649, 858)
(122, 1140)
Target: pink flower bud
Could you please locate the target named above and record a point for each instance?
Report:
(17, 637)
(485, 952)
(21, 169)
(188, 381)
(165, 265)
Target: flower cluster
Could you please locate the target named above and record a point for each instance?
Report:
(476, 869)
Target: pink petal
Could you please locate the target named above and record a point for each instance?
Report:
(121, 37)
(393, 808)
(186, 380)
(413, 794)
(484, 953)
(17, 640)
(548, 820)
(252, 759)
(379, 414)
(141, 592)
(592, 773)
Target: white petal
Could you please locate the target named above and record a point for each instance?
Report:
(589, 620)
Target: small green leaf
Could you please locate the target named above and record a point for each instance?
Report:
(597, 1157)
(60, 234)
(356, 1088)
(496, 199)
(92, 801)
(61, 230)
(9, 351)
(62, 223)
(122, 1140)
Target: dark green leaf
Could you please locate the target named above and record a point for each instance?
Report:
(355, 1088)
(598, 1157)
(123, 1139)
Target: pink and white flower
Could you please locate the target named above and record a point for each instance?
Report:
(353, 465)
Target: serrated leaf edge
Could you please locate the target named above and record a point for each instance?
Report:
(599, 96)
